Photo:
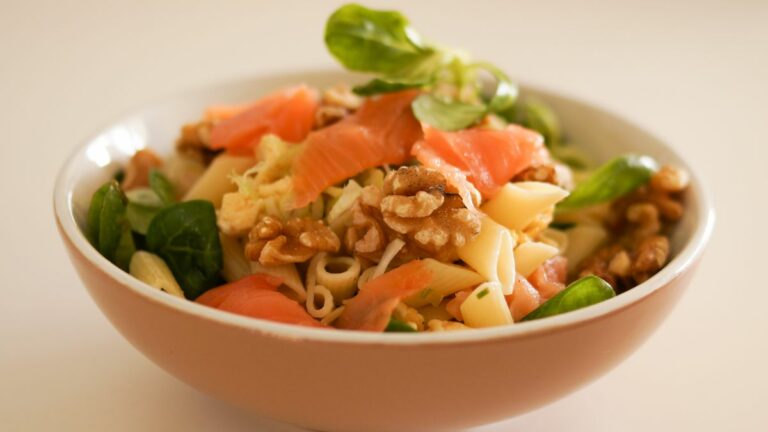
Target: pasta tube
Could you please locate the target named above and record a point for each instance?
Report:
(339, 275)
(486, 307)
(215, 181)
(491, 254)
(289, 275)
(235, 265)
(518, 204)
(447, 279)
(529, 256)
(152, 270)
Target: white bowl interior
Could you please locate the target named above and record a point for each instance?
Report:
(601, 135)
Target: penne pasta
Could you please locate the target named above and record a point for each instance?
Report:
(529, 256)
(583, 240)
(518, 204)
(332, 316)
(447, 279)
(152, 270)
(491, 254)
(392, 249)
(287, 272)
(556, 238)
(318, 294)
(486, 307)
(235, 265)
(339, 275)
(215, 181)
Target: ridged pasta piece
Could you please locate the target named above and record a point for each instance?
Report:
(431, 312)
(392, 249)
(152, 270)
(348, 196)
(332, 316)
(289, 275)
(486, 307)
(339, 275)
(491, 254)
(235, 265)
(319, 294)
(447, 279)
(556, 238)
(215, 181)
(365, 276)
(529, 256)
(583, 240)
(518, 204)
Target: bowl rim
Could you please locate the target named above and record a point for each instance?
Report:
(680, 264)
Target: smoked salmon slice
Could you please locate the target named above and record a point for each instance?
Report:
(381, 132)
(289, 114)
(256, 296)
(523, 300)
(372, 307)
(549, 278)
(487, 158)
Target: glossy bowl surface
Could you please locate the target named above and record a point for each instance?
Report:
(353, 381)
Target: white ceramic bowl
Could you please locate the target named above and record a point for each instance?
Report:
(354, 381)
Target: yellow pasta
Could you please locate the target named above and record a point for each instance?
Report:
(583, 240)
(215, 182)
(348, 196)
(286, 272)
(556, 238)
(518, 204)
(332, 316)
(152, 270)
(431, 312)
(392, 249)
(491, 254)
(235, 265)
(365, 276)
(339, 275)
(447, 279)
(529, 256)
(486, 307)
(318, 294)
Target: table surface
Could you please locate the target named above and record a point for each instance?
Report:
(695, 72)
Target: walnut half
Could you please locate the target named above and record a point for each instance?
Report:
(273, 242)
(412, 205)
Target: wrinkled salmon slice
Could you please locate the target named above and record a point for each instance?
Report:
(486, 158)
(256, 296)
(372, 307)
(288, 113)
(381, 132)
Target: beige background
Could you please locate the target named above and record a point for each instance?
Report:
(696, 73)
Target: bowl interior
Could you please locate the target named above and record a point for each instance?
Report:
(600, 134)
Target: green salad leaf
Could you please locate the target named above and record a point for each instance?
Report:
(584, 292)
(395, 325)
(381, 85)
(107, 227)
(162, 187)
(541, 118)
(379, 41)
(186, 237)
(447, 116)
(458, 93)
(614, 179)
(143, 205)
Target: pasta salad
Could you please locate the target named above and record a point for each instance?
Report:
(431, 198)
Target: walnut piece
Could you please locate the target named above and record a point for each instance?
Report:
(641, 223)
(337, 102)
(137, 169)
(436, 325)
(412, 205)
(195, 140)
(273, 242)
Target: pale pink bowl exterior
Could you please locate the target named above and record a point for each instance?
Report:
(333, 380)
